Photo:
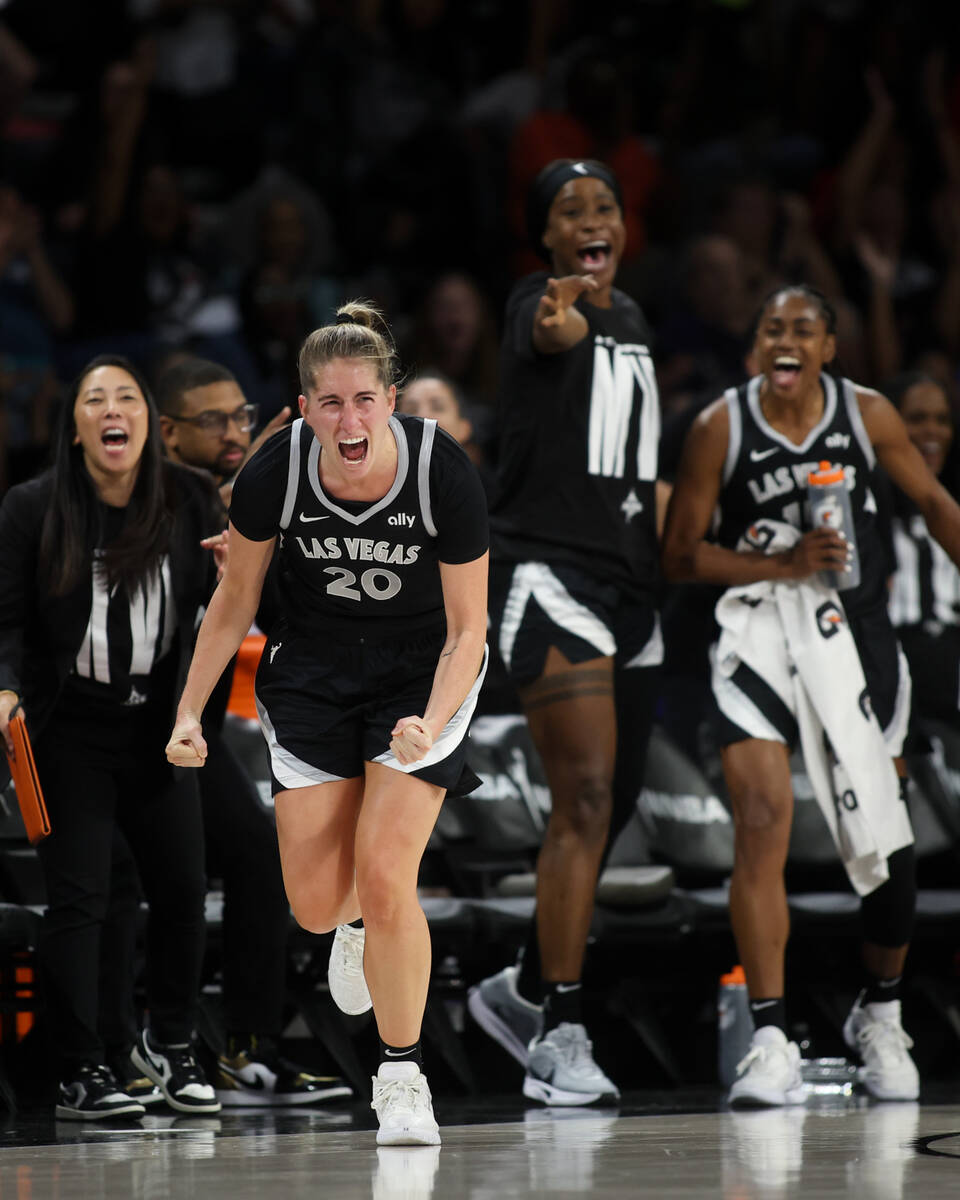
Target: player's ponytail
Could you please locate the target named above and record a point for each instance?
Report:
(359, 331)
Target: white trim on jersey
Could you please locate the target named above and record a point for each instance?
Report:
(829, 412)
(451, 735)
(855, 418)
(290, 771)
(536, 580)
(423, 473)
(293, 475)
(735, 436)
(403, 465)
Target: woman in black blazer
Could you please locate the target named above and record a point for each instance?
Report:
(105, 566)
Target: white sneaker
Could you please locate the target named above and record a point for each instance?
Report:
(874, 1031)
(769, 1074)
(561, 1070)
(345, 972)
(404, 1106)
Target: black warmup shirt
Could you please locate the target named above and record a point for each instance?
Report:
(119, 695)
(347, 565)
(579, 434)
(765, 475)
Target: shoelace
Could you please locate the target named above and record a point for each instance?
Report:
(352, 948)
(754, 1054)
(101, 1075)
(881, 1036)
(182, 1062)
(574, 1048)
(404, 1094)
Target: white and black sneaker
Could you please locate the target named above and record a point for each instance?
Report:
(255, 1075)
(176, 1072)
(94, 1095)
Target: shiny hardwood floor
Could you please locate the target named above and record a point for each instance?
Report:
(673, 1144)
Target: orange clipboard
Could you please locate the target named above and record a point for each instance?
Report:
(24, 773)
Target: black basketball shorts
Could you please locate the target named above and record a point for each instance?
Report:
(328, 705)
(536, 605)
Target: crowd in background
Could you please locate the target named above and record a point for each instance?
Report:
(216, 175)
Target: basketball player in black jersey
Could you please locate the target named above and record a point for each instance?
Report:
(369, 678)
(750, 453)
(575, 566)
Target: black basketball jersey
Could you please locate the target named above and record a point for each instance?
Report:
(765, 475)
(578, 443)
(347, 564)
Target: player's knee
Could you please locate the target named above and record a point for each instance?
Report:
(382, 890)
(583, 809)
(315, 914)
(758, 813)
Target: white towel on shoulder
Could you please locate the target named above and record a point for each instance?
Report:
(795, 636)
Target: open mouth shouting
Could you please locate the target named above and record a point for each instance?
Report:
(594, 256)
(114, 439)
(353, 450)
(786, 370)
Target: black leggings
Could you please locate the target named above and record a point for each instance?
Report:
(109, 827)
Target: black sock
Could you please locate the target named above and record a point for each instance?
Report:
(357, 924)
(879, 991)
(770, 1010)
(389, 1054)
(528, 977)
(562, 1002)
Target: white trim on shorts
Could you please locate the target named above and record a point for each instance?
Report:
(451, 735)
(536, 580)
(896, 730)
(651, 655)
(290, 771)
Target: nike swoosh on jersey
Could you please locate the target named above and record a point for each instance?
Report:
(306, 519)
(757, 455)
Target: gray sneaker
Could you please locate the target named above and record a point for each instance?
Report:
(561, 1070)
(500, 1010)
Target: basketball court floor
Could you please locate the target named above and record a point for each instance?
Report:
(679, 1145)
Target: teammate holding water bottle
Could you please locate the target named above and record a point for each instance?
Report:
(751, 453)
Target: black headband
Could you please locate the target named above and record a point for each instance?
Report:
(546, 185)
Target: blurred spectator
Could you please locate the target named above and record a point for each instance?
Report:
(432, 394)
(702, 344)
(455, 333)
(925, 589)
(35, 306)
(279, 238)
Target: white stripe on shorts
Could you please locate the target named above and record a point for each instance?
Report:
(451, 735)
(896, 731)
(537, 580)
(290, 771)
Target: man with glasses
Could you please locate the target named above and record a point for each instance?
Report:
(205, 419)
(206, 422)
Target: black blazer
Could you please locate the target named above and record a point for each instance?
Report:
(41, 634)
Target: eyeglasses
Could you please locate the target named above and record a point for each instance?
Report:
(216, 421)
